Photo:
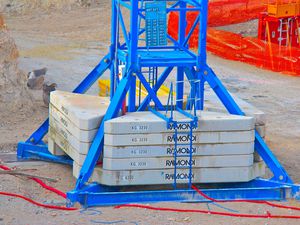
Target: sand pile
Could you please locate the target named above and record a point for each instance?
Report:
(14, 95)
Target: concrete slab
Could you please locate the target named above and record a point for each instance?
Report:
(82, 147)
(85, 111)
(147, 122)
(261, 129)
(168, 150)
(212, 103)
(166, 176)
(62, 145)
(53, 148)
(81, 135)
(169, 162)
(167, 138)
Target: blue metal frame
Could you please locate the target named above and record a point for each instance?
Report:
(130, 51)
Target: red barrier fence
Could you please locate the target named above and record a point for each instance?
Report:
(234, 46)
(224, 12)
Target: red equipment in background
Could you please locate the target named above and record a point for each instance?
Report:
(281, 23)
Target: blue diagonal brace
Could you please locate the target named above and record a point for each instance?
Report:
(91, 78)
(97, 145)
(150, 91)
(260, 146)
(158, 84)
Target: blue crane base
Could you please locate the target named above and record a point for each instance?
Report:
(194, 66)
(99, 195)
(279, 188)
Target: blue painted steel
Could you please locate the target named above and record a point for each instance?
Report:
(194, 68)
(40, 152)
(261, 147)
(156, 23)
(254, 190)
(97, 145)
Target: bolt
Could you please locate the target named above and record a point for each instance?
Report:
(280, 177)
(32, 140)
(205, 72)
(106, 60)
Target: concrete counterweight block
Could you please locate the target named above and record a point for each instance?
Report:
(166, 176)
(73, 122)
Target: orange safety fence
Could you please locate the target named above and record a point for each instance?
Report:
(224, 12)
(238, 48)
(253, 51)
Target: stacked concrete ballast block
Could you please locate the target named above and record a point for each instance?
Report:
(139, 150)
(74, 120)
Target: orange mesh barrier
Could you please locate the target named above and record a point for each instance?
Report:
(253, 51)
(235, 47)
(224, 12)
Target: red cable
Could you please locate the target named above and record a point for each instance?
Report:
(248, 201)
(4, 167)
(45, 186)
(267, 216)
(37, 203)
(40, 182)
(52, 189)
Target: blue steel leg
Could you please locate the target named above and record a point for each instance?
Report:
(200, 101)
(132, 95)
(180, 70)
(261, 147)
(191, 76)
(40, 152)
(97, 145)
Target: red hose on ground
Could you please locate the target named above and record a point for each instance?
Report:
(40, 182)
(37, 203)
(49, 188)
(43, 185)
(267, 216)
(248, 201)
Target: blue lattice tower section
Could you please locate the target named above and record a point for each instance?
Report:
(144, 48)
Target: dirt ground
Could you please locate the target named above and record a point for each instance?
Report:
(70, 43)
